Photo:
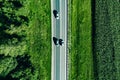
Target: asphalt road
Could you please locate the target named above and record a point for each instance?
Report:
(59, 30)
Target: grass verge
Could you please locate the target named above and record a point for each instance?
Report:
(80, 49)
(40, 37)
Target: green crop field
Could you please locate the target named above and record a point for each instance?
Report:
(106, 39)
(80, 44)
(25, 40)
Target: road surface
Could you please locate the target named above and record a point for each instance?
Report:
(59, 30)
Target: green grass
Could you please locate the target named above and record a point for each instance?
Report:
(40, 37)
(81, 64)
(106, 40)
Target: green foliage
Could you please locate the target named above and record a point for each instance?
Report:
(80, 47)
(16, 38)
(22, 74)
(40, 38)
(13, 42)
(13, 50)
(24, 70)
(13, 29)
(25, 29)
(106, 40)
(6, 65)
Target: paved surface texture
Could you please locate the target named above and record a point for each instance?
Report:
(59, 30)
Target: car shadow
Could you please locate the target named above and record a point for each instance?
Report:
(55, 40)
(54, 12)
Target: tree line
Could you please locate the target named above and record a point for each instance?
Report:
(19, 66)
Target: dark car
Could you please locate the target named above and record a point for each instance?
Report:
(61, 42)
(55, 12)
(56, 41)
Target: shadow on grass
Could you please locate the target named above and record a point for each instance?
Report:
(5, 38)
(7, 78)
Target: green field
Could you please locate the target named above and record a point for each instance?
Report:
(25, 40)
(106, 39)
(80, 47)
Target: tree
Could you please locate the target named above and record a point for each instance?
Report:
(24, 70)
(12, 33)
(7, 64)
